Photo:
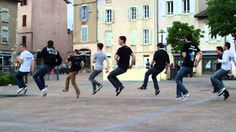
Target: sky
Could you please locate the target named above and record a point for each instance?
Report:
(70, 15)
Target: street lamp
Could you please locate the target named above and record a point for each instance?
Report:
(162, 32)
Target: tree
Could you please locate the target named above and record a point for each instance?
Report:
(222, 17)
(177, 33)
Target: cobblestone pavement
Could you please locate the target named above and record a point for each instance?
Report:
(132, 111)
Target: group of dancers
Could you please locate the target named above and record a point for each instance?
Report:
(125, 58)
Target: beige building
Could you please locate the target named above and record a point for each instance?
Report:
(8, 17)
(184, 11)
(136, 19)
(85, 27)
(43, 20)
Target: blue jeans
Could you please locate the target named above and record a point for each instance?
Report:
(92, 78)
(154, 72)
(216, 79)
(113, 79)
(19, 79)
(181, 89)
(39, 76)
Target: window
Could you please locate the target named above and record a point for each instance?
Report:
(133, 13)
(5, 35)
(108, 38)
(170, 7)
(146, 36)
(24, 20)
(23, 39)
(146, 9)
(4, 15)
(186, 6)
(84, 12)
(108, 16)
(108, 1)
(133, 37)
(84, 33)
(23, 2)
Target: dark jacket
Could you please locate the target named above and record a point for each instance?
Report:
(51, 56)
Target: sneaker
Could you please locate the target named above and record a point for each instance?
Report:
(221, 91)
(119, 90)
(157, 91)
(142, 88)
(99, 88)
(44, 92)
(185, 97)
(94, 92)
(64, 90)
(214, 91)
(226, 95)
(20, 90)
(25, 90)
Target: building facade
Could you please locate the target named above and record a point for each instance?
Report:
(85, 28)
(43, 20)
(8, 24)
(136, 19)
(184, 11)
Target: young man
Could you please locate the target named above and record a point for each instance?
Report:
(51, 58)
(122, 57)
(219, 51)
(216, 78)
(98, 59)
(77, 65)
(26, 60)
(160, 62)
(189, 53)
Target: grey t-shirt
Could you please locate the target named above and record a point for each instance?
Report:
(99, 57)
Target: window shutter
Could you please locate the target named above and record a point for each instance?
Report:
(104, 16)
(7, 35)
(150, 36)
(87, 12)
(192, 6)
(129, 15)
(143, 37)
(206, 35)
(112, 16)
(140, 12)
(163, 9)
(150, 11)
(176, 8)
(80, 12)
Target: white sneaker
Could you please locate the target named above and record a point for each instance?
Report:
(185, 97)
(221, 91)
(25, 90)
(20, 90)
(44, 92)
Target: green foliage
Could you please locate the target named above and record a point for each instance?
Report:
(7, 78)
(222, 17)
(178, 31)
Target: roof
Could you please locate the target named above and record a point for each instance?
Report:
(201, 15)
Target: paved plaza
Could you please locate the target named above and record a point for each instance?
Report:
(132, 111)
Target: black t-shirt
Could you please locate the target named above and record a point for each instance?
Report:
(75, 63)
(218, 65)
(124, 53)
(191, 52)
(161, 58)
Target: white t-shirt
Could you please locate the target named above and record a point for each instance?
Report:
(226, 60)
(27, 58)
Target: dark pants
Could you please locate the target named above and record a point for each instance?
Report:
(154, 72)
(39, 76)
(183, 72)
(92, 78)
(19, 79)
(216, 79)
(112, 77)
